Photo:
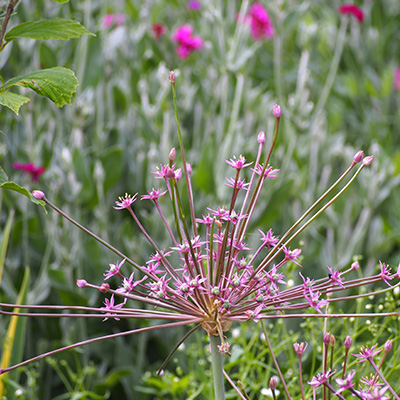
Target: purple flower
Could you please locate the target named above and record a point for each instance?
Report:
(194, 5)
(240, 184)
(268, 173)
(377, 394)
(187, 43)
(260, 23)
(335, 277)
(113, 19)
(154, 194)
(300, 348)
(314, 301)
(238, 163)
(320, 379)
(125, 202)
(346, 383)
(114, 270)
(385, 273)
(268, 239)
(367, 353)
(30, 169)
(109, 306)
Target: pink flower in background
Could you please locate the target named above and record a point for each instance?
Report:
(31, 169)
(187, 43)
(396, 83)
(113, 19)
(194, 5)
(158, 30)
(352, 9)
(260, 23)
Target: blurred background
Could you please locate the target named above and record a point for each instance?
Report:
(336, 78)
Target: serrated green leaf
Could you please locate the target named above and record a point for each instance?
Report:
(13, 101)
(58, 84)
(56, 28)
(6, 184)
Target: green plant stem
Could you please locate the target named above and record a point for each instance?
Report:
(217, 369)
(333, 68)
(275, 361)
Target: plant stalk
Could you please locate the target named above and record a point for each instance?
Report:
(217, 368)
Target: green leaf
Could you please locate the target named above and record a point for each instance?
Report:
(62, 1)
(58, 84)
(5, 184)
(56, 28)
(13, 101)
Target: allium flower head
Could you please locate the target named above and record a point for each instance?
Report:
(352, 9)
(210, 281)
(194, 5)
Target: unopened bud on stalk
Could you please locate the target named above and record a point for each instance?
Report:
(327, 338)
(368, 160)
(355, 266)
(388, 345)
(276, 110)
(172, 77)
(358, 157)
(81, 283)
(172, 154)
(104, 288)
(273, 383)
(332, 341)
(261, 137)
(189, 169)
(348, 342)
(38, 195)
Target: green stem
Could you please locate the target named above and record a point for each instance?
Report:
(217, 367)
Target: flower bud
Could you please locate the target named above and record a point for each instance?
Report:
(178, 174)
(172, 154)
(332, 341)
(355, 266)
(300, 348)
(273, 383)
(327, 338)
(189, 169)
(276, 110)
(388, 345)
(358, 157)
(104, 288)
(172, 77)
(261, 138)
(81, 283)
(348, 342)
(38, 195)
(367, 160)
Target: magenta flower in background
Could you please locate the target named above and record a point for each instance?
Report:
(260, 23)
(158, 30)
(396, 83)
(187, 43)
(31, 169)
(194, 5)
(352, 9)
(113, 19)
